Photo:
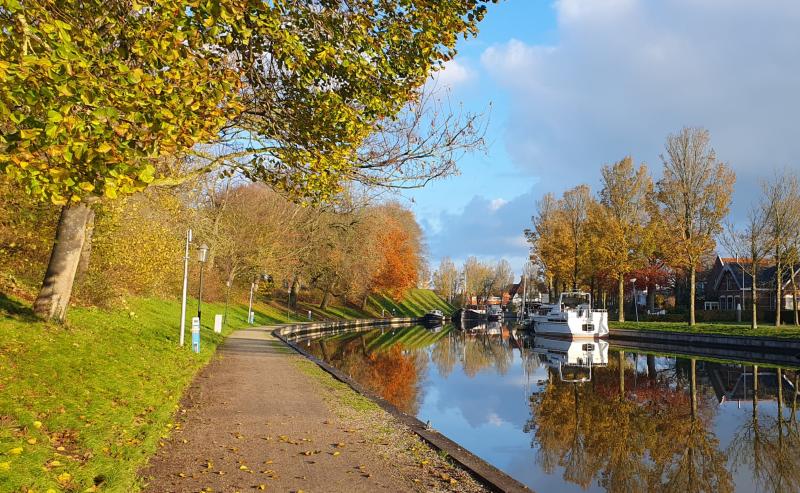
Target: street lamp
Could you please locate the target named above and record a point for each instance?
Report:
(253, 288)
(185, 285)
(635, 305)
(202, 256)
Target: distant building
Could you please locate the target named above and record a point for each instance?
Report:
(729, 283)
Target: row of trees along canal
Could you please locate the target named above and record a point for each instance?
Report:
(662, 232)
(301, 98)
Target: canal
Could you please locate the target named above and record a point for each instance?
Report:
(586, 416)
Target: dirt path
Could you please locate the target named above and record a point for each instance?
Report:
(261, 417)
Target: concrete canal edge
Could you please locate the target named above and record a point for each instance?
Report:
(770, 350)
(490, 476)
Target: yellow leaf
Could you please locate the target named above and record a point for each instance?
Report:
(64, 478)
(32, 441)
(103, 148)
(243, 467)
(15, 451)
(37, 424)
(86, 186)
(5, 466)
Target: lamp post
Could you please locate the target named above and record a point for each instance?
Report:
(635, 305)
(253, 289)
(202, 255)
(185, 285)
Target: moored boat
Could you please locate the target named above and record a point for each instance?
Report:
(573, 317)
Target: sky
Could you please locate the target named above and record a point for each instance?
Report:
(571, 85)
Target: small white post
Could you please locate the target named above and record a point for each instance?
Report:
(218, 323)
(185, 285)
(250, 308)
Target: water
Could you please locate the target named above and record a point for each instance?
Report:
(562, 416)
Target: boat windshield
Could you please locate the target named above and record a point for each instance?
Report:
(572, 300)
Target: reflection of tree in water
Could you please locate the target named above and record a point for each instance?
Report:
(769, 446)
(475, 352)
(393, 373)
(650, 436)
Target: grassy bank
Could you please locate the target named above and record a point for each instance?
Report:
(720, 328)
(85, 404)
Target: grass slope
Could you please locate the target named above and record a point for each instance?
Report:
(722, 328)
(86, 403)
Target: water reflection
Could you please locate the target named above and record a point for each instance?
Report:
(575, 416)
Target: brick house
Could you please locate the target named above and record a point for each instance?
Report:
(729, 283)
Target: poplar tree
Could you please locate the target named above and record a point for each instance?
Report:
(694, 194)
(623, 217)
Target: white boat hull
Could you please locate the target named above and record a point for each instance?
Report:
(575, 325)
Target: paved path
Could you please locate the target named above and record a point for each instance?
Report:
(262, 417)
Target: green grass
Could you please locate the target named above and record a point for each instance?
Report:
(102, 389)
(340, 391)
(720, 328)
(88, 402)
(416, 303)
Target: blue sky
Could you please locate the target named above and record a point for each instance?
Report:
(575, 84)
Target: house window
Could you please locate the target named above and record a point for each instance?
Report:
(722, 304)
(736, 302)
(731, 306)
(727, 283)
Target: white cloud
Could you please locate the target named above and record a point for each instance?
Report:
(454, 74)
(496, 204)
(626, 73)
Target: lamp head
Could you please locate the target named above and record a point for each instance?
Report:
(202, 253)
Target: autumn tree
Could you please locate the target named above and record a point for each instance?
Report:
(752, 243)
(575, 206)
(446, 279)
(782, 212)
(620, 220)
(93, 103)
(694, 193)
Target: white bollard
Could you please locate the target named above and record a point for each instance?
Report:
(218, 323)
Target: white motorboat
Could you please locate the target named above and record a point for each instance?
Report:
(573, 316)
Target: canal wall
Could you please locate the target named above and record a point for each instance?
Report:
(490, 476)
(769, 350)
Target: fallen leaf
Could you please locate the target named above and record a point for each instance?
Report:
(261, 487)
(243, 467)
(64, 478)
(5, 466)
(32, 441)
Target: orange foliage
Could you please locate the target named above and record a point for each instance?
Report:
(399, 269)
(394, 376)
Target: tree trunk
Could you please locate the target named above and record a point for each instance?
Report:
(326, 298)
(794, 298)
(692, 277)
(86, 251)
(651, 366)
(364, 302)
(294, 292)
(778, 288)
(753, 295)
(651, 297)
(621, 298)
(56, 289)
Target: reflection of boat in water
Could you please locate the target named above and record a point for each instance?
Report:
(573, 316)
(494, 313)
(572, 359)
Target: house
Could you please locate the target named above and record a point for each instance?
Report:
(729, 284)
